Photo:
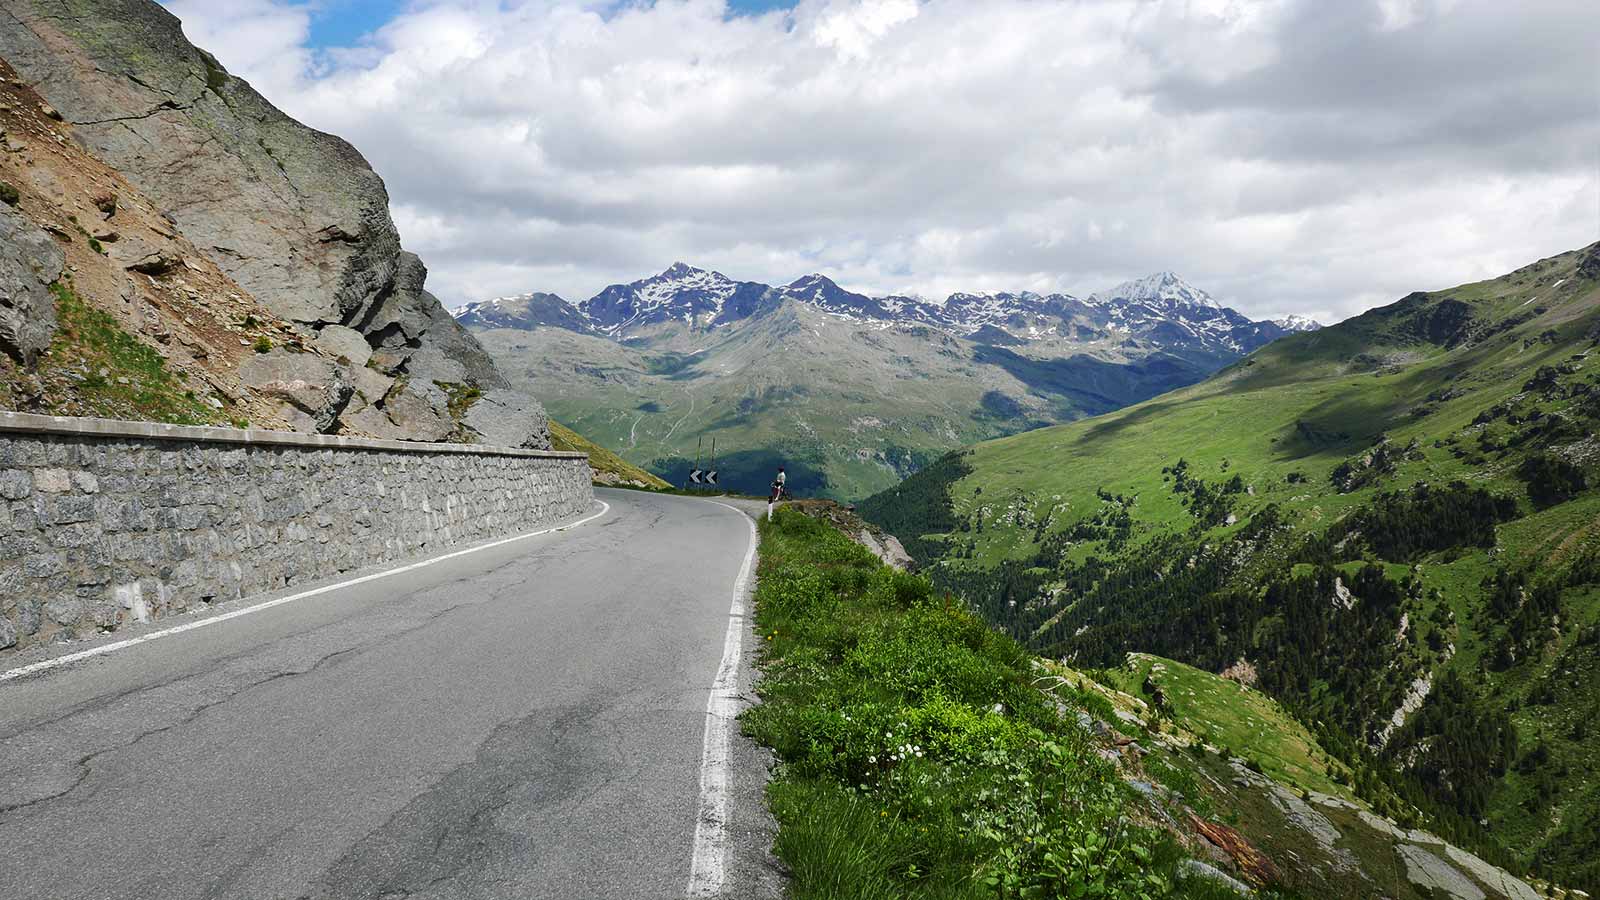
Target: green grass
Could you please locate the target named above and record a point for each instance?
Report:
(136, 385)
(1239, 719)
(917, 759)
(459, 397)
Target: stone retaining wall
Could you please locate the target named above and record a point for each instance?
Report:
(104, 523)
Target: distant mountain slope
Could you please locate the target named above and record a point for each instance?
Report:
(525, 312)
(1393, 522)
(607, 467)
(851, 392)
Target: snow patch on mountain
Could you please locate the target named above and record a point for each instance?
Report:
(524, 311)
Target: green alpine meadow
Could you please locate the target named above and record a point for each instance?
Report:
(1389, 529)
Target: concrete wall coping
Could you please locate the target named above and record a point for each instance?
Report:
(28, 423)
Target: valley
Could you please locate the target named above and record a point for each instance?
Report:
(1390, 524)
(850, 392)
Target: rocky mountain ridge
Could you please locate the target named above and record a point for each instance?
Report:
(294, 220)
(1162, 309)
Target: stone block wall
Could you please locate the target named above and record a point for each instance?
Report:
(105, 523)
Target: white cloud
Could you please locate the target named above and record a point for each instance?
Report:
(1289, 155)
(853, 26)
(264, 40)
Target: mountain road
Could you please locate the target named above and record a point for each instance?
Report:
(546, 717)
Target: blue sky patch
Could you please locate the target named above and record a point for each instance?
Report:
(343, 23)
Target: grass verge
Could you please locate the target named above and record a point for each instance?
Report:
(916, 757)
(601, 459)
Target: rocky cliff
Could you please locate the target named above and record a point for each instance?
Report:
(295, 220)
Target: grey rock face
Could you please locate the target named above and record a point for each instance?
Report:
(29, 261)
(296, 217)
(123, 528)
(1432, 873)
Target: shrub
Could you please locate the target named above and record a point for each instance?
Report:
(9, 195)
(1551, 479)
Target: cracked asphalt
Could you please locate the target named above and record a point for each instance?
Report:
(525, 721)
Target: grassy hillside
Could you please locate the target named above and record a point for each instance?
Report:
(923, 754)
(1394, 521)
(608, 467)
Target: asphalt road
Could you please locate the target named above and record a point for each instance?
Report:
(525, 721)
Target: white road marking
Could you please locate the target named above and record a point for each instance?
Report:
(58, 661)
(709, 868)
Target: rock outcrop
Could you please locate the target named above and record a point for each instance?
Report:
(296, 217)
(29, 262)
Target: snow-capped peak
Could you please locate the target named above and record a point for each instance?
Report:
(681, 293)
(1297, 323)
(1162, 287)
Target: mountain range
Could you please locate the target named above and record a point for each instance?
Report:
(1162, 308)
(852, 391)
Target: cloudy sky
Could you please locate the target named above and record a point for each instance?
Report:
(1287, 155)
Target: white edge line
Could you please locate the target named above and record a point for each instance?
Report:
(58, 661)
(708, 869)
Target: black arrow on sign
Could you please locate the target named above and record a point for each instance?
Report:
(711, 478)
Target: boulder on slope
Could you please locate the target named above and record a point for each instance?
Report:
(509, 419)
(314, 389)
